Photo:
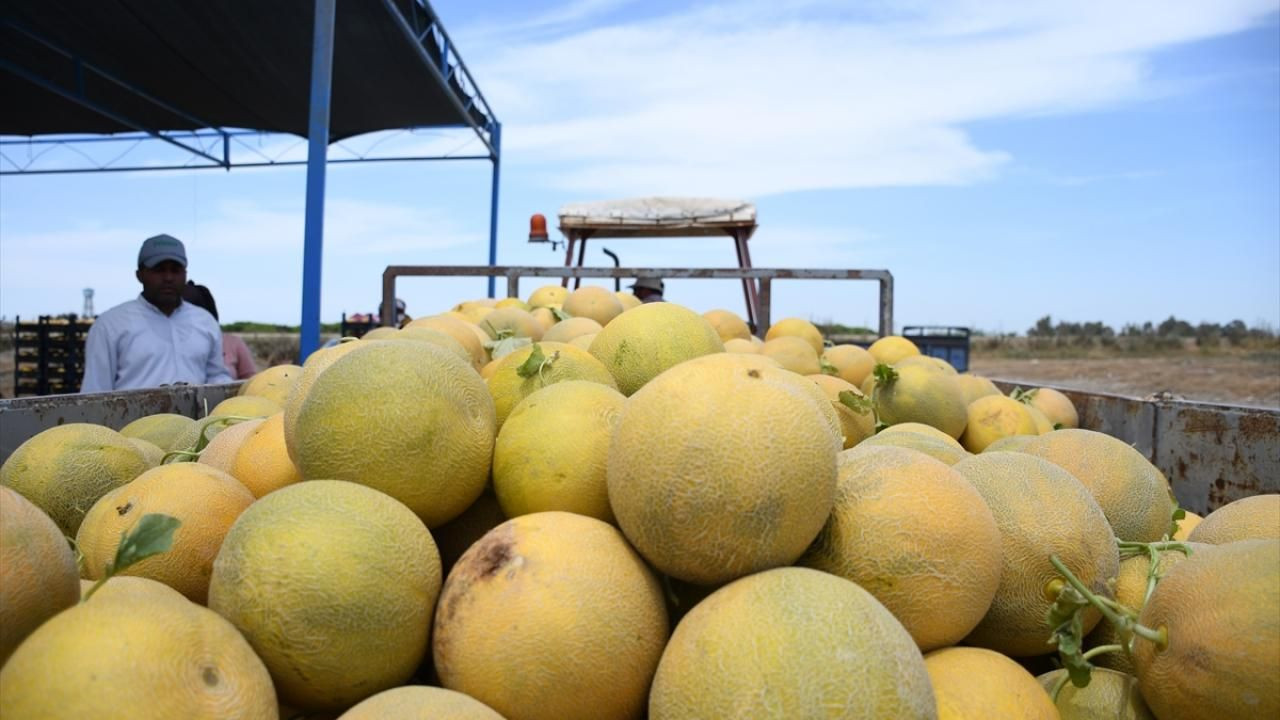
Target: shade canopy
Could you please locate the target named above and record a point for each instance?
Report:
(658, 217)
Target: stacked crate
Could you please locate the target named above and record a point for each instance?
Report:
(49, 355)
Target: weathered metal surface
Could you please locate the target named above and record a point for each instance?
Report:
(513, 274)
(1212, 454)
(20, 418)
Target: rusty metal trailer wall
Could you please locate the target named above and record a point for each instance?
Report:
(1212, 454)
(20, 418)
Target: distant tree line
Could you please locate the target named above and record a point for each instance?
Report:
(1170, 331)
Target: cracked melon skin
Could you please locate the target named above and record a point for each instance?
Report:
(790, 643)
(722, 466)
(333, 584)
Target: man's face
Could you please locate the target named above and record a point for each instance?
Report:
(162, 285)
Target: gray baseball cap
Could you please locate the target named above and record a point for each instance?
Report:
(158, 248)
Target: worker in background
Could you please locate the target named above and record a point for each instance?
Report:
(156, 338)
(648, 289)
(235, 353)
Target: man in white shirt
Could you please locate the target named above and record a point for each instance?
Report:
(155, 339)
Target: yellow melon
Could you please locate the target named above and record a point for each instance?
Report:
(1043, 424)
(975, 386)
(552, 451)
(992, 417)
(796, 327)
(915, 534)
(628, 300)
(222, 449)
(1187, 525)
(857, 419)
(1041, 510)
(1251, 518)
(65, 469)
(333, 584)
(516, 376)
(922, 429)
(1218, 610)
(728, 325)
(160, 429)
(889, 349)
(551, 615)
(262, 463)
(568, 329)
(928, 361)
(593, 302)
(1132, 492)
(315, 364)
(852, 363)
(1132, 586)
(920, 394)
(1010, 443)
(136, 649)
(510, 322)
(978, 684)
(432, 335)
(273, 383)
(792, 353)
(548, 295)
(736, 345)
(1056, 406)
(150, 452)
(38, 574)
(460, 330)
(791, 643)
(583, 342)
(408, 419)
(650, 339)
(1110, 695)
(935, 447)
(386, 332)
(545, 318)
(246, 406)
(512, 302)
(722, 466)
(207, 501)
(420, 702)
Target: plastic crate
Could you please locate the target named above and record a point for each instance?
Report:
(948, 343)
(49, 355)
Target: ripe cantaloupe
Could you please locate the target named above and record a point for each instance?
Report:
(1131, 592)
(947, 451)
(548, 295)
(333, 584)
(976, 386)
(222, 449)
(273, 383)
(1251, 518)
(1218, 608)
(650, 339)
(1131, 491)
(510, 322)
(892, 348)
(796, 327)
(1041, 510)
(992, 417)
(736, 345)
(544, 317)
(1110, 695)
(407, 419)
(551, 615)
(460, 330)
(568, 329)
(628, 300)
(65, 469)
(262, 462)
(728, 325)
(246, 406)
(792, 353)
(160, 429)
(1187, 525)
(852, 363)
(593, 302)
(922, 429)
(420, 702)
(431, 335)
(857, 419)
(136, 649)
(1057, 407)
(722, 466)
(915, 534)
(316, 363)
(552, 451)
(790, 643)
(514, 378)
(928, 361)
(979, 684)
(38, 574)
(150, 452)
(206, 500)
(921, 394)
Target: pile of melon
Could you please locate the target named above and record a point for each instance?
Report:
(581, 506)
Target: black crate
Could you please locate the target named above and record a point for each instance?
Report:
(949, 343)
(49, 354)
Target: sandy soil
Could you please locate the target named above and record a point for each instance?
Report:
(1236, 379)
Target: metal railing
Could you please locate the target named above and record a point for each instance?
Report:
(764, 277)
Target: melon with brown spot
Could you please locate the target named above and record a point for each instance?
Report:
(65, 469)
(38, 574)
(915, 534)
(722, 466)
(790, 643)
(1041, 510)
(551, 615)
(333, 584)
(136, 649)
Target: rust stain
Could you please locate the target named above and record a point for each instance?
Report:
(1259, 428)
(1202, 421)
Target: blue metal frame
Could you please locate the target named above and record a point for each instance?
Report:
(435, 49)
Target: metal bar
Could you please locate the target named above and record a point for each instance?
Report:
(513, 285)
(886, 305)
(98, 108)
(219, 166)
(403, 24)
(386, 309)
(765, 301)
(493, 201)
(582, 255)
(461, 65)
(317, 151)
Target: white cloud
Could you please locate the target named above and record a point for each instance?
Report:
(753, 98)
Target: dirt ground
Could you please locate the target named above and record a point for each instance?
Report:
(1235, 379)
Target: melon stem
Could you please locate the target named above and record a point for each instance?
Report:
(1124, 622)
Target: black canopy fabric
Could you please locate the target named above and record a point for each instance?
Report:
(216, 63)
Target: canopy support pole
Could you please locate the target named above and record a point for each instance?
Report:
(495, 137)
(317, 154)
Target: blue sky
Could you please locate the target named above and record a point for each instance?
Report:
(1005, 160)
